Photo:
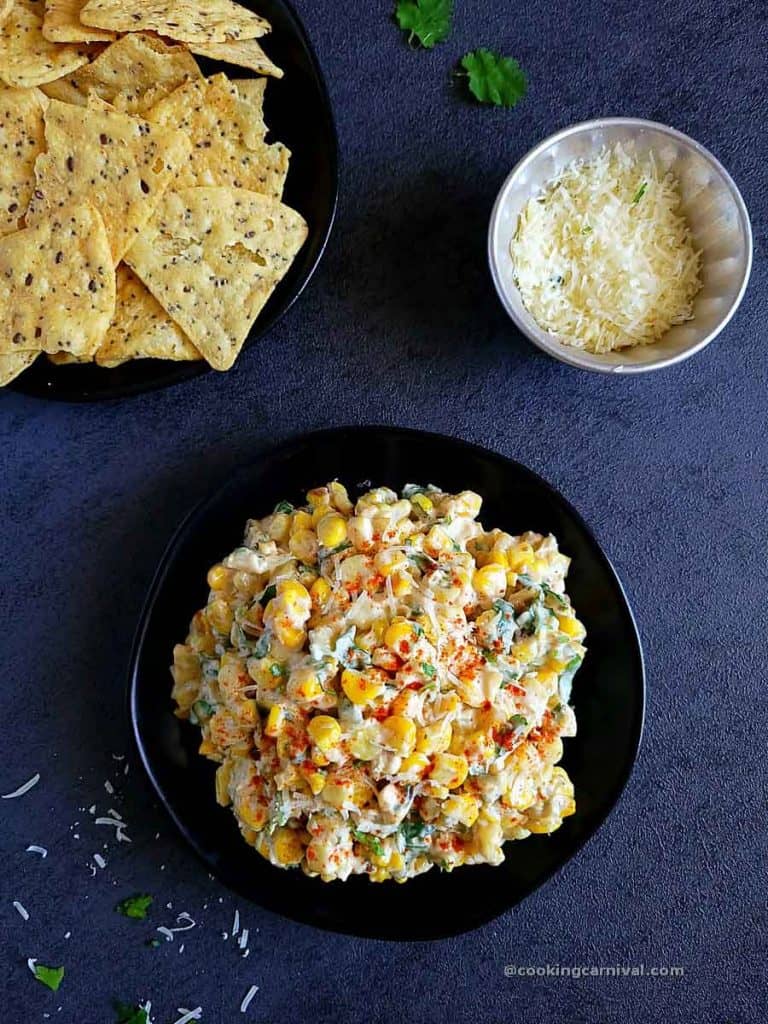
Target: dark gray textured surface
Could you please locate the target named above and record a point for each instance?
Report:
(400, 326)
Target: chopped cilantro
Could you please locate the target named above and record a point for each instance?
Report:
(506, 625)
(127, 1014)
(261, 648)
(51, 977)
(428, 670)
(135, 906)
(371, 841)
(415, 832)
(327, 552)
(422, 561)
(494, 79)
(640, 193)
(277, 670)
(269, 593)
(429, 21)
(565, 682)
(283, 507)
(201, 711)
(518, 721)
(279, 814)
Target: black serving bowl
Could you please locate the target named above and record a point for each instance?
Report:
(608, 694)
(298, 111)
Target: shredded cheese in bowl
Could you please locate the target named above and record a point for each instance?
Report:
(604, 257)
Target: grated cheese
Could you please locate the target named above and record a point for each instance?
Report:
(248, 997)
(38, 849)
(187, 1015)
(604, 258)
(25, 788)
(21, 909)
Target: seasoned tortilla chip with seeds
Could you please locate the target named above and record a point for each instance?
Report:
(251, 91)
(22, 139)
(13, 364)
(116, 162)
(62, 24)
(188, 21)
(212, 257)
(228, 145)
(141, 329)
(57, 284)
(245, 53)
(27, 58)
(6, 7)
(131, 75)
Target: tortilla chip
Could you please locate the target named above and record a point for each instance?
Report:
(245, 53)
(67, 359)
(27, 58)
(212, 257)
(6, 6)
(132, 75)
(62, 24)
(141, 329)
(116, 162)
(57, 285)
(227, 138)
(251, 90)
(21, 140)
(13, 364)
(189, 21)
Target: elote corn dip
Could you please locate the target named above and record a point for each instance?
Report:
(385, 685)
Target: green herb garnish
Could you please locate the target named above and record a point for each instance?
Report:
(370, 841)
(201, 711)
(415, 832)
(565, 682)
(268, 594)
(283, 507)
(277, 670)
(51, 977)
(429, 670)
(135, 906)
(494, 79)
(429, 21)
(518, 721)
(261, 648)
(127, 1014)
(640, 193)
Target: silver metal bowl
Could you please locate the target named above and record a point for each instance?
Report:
(712, 205)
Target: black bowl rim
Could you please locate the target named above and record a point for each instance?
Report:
(282, 449)
(189, 371)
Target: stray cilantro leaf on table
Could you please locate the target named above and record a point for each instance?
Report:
(494, 79)
(429, 21)
(127, 1014)
(135, 906)
(51, 977)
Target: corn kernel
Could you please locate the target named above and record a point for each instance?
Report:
(389, 561)
(399, 637)
(490, 581)
(571, 627)
(463, 807)
(279, 526)
(295, 597)
(223, 775)
(316, 782)
(449, 770)
(423, 502)
(320, 591)
(414, 765)
(206, 747)
(468, 503)
(339, 497)
(218, 577)
(289, 636)
(219, 615)
(303, 545)
(287, 846)
(402, 584)
(324, 731)
(399, 734)
(520, 556)
(360, 532)
(309, 688)
(521, 794)
(318, 512)
(498, 556)
(438, 541)
(251, 811)
(275, 720)
(332, 530)
(318, 496)
(362, 746)
(360, 688)
(427, 625)
(300, 521)
(433, 739)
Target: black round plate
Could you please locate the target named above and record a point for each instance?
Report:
(298, 111)
(609, 691)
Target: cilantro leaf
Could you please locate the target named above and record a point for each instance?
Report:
(429, 21)
(127, 1014)
(565, 682)
(495, 79)
(429, 670)
(135, 906)
(50, 976)
(283, 507)
(640, 193)
(518, 721)
(415, 832)
(371, 841)
(269, 593)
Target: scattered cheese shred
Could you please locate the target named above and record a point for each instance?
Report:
(21, 909)
(187, 1015)
(38, 849)
(604, 258)
(25, 788)
(248, 997)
